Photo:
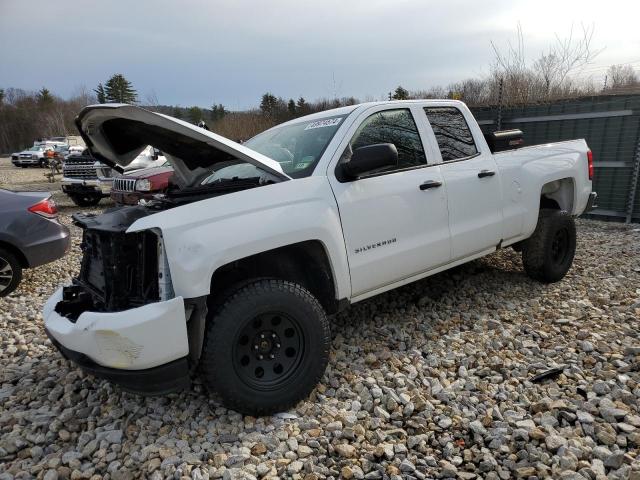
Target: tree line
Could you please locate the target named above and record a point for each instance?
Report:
(512, 80)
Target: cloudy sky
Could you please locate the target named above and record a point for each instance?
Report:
(196, 52)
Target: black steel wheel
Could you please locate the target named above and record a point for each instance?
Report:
(548, 254)
(267, 350)
(10, 272)
(266, 346)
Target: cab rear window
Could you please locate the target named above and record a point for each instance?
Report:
(452, 133)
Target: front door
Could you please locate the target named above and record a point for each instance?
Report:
(394, 221)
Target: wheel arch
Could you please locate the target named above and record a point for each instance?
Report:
(306, 263)
(16, 251)
(558, 194)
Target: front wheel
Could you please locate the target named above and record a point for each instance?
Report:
(10, 272)
(266, 347)
(548, 254)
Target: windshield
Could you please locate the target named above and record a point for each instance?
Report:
(36, 149)
(299, 146)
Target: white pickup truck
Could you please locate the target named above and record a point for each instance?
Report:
(233, 272)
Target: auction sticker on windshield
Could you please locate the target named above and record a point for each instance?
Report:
(323, 123)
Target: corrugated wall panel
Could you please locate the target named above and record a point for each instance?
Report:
(612, 139)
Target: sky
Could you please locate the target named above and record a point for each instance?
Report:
(201, 52)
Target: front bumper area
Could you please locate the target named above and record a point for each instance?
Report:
(78, 185)
(167, 378)
(19, 162)
(130, 198)
(133, 340)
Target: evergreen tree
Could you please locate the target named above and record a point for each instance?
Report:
(291, 106)
(1, 95)
(302, 106)
(44, 96)
(218, 112)
(177, 112)
(269, 104)
(399, 94)
(100, 94)
(119, 90)
(195, 114)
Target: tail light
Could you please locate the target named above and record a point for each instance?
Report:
(46, 208)
(590, 162)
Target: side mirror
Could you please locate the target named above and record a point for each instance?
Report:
(369, 158)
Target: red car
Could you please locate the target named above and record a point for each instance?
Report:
(141, 184)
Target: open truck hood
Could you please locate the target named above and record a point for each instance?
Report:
(117, 133)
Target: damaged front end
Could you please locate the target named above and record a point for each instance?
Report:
(119, 270)
(119, 319)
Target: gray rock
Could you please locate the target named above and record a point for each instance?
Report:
(477, 428)
(554, 442)
(614, 460)
(50, 475)
(584, 417)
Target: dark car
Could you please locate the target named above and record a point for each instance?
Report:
(30, 235)
(142, 184)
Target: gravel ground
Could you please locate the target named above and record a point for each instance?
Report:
(432, 380)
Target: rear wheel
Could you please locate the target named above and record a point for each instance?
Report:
(266, 347)
(548, 254)
(85, 199)
(10, 272)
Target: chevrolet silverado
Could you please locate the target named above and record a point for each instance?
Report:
(233, 272)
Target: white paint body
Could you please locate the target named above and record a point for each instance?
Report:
(466, 218)
(131, 340)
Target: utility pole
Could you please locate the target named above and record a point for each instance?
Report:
(499, 119)
(605, 82)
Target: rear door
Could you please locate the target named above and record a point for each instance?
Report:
(394, 221)
(472, 180)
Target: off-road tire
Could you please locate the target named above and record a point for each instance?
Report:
(85, 200)
(229, 343)
(7, 258)
(548, 254)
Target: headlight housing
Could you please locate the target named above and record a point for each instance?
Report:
(34, 157)
(143, 185)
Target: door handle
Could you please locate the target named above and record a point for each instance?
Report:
(430, 184)
(486, 173)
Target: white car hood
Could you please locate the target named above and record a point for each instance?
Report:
(117, 133)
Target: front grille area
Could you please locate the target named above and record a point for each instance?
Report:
(119, 269)
(80, 167)
(124, 184)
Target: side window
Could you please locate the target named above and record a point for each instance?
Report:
(452, 133)
(391, 126)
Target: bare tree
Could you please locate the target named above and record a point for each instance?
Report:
(619, 76)
(151, 99)
(550, 75)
